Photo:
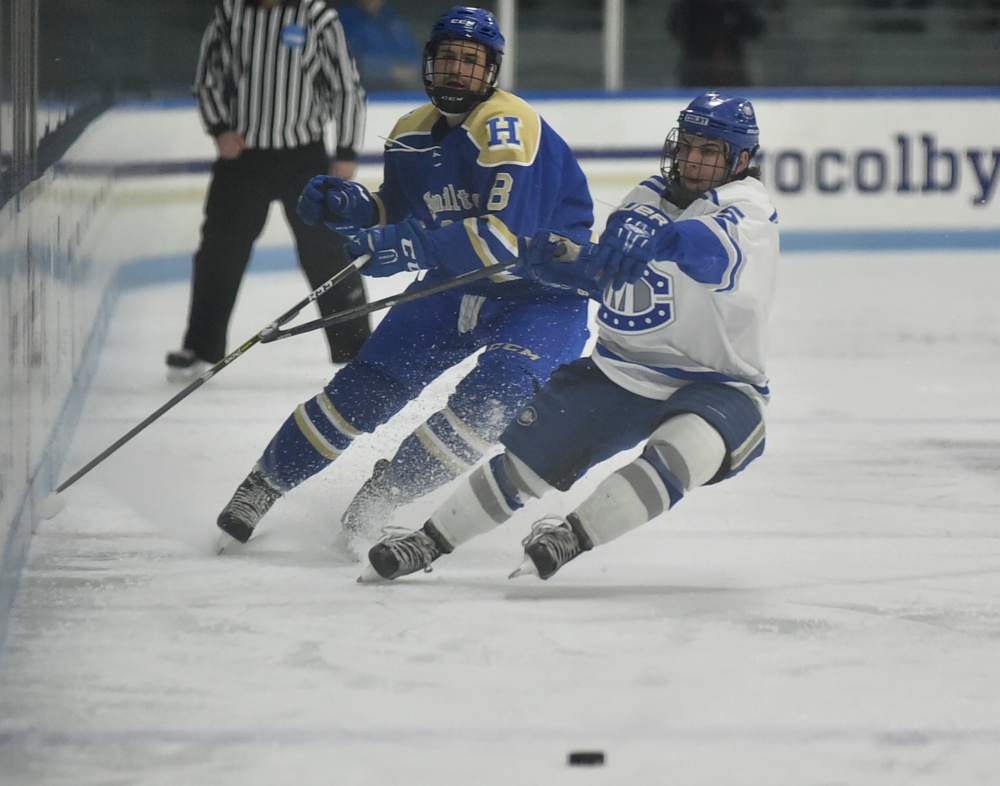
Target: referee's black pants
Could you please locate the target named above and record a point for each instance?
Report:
(239, 196)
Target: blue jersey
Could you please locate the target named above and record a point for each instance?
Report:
(476, 187)
(501, 174)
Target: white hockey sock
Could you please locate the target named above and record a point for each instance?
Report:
(617, 505)
(681, 454)
(476, 507)
(479, 504)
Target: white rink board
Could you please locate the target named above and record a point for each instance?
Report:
(927, 162)
(865, 163)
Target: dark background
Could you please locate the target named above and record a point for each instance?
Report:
(149, 47)
(62, 62)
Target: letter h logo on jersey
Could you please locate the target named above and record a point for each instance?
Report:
(504, 132)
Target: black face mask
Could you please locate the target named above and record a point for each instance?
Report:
(454, 99)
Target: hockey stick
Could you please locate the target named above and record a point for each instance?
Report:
(568, 251)
(271, 333)
(52, 504)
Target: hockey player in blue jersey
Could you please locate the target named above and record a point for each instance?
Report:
(685, 273)
(464, 177)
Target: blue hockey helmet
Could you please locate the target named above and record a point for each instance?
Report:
(462, 23)
(726, 118)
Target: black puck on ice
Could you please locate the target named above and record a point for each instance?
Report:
(586, 758)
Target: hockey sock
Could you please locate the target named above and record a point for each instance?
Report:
(485, 499)
(683, 453)
(438, 451)
(357, 400)
(308, 441)
(627, 499)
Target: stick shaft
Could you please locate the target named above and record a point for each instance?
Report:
(211, 372)
(388, 302)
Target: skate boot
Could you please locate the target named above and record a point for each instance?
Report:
(552, 543)
(371, 507)
(252, 500)
(183, 365)
(402, 551)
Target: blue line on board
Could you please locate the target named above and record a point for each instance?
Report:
(175, 267)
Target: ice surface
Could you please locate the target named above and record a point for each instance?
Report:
(831, 616)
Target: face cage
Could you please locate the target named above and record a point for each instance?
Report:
(454, 98)
(669, 162)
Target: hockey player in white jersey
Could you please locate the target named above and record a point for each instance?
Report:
(685, 271)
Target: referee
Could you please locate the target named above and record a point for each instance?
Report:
(272, 74)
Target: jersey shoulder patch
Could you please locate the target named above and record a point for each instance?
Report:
(419, 121)
(505, 130)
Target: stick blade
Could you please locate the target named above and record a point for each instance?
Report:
(51, 506)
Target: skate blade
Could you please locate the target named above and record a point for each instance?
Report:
(370, 576)
(526, 568)
(226, 542)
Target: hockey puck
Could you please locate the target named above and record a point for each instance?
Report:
(586, 758)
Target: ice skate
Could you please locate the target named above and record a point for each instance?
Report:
(552, 543)
(183, 366)
(401, 552)
(371, 507)
(252, 500)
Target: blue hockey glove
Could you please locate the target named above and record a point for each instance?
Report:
(629, 242)
(343, 205)
(394, 248)
(555, 261)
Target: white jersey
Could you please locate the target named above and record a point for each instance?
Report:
(701, 314)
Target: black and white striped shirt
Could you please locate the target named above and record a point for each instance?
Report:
(279, 75)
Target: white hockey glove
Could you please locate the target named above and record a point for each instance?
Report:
(628, 244)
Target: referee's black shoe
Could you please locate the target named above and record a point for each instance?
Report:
(183, 365)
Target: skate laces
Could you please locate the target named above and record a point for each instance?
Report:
(253, 498)
(413, 549)
(554, 534)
